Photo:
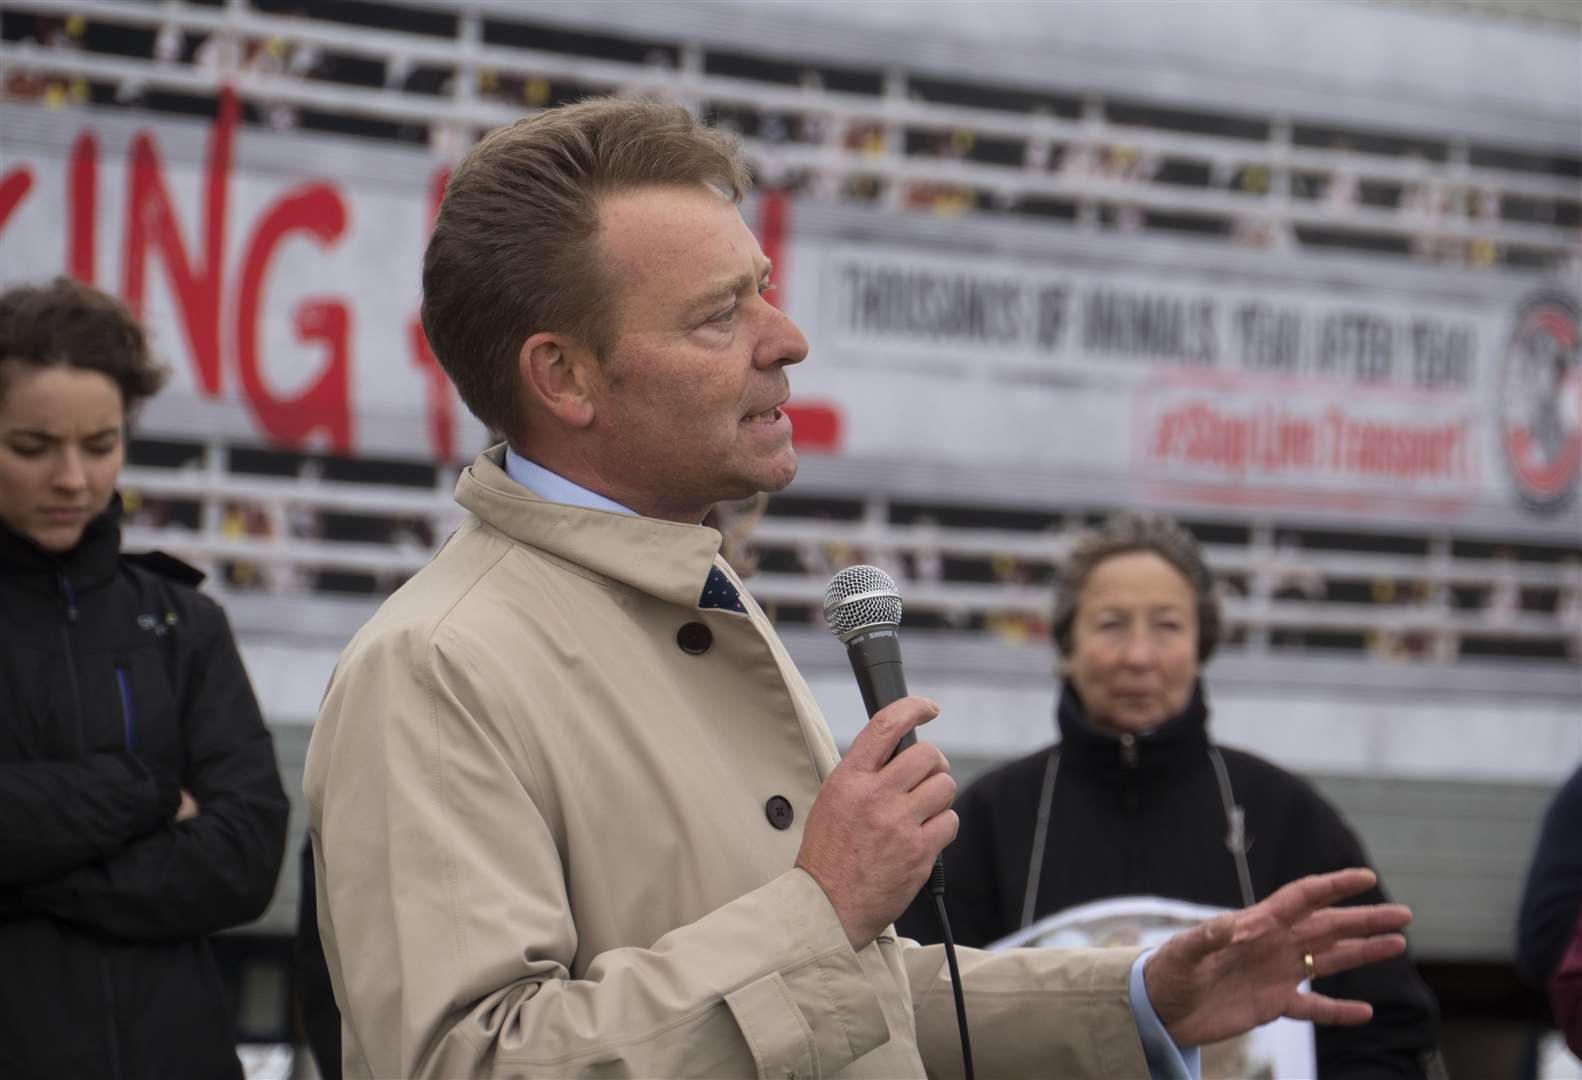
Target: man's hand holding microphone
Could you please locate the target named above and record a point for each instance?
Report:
(879, 822)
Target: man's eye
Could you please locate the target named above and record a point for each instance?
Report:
(724, 316)
(101, 449)
(27, 450)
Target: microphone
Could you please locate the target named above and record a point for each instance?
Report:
(862, 607)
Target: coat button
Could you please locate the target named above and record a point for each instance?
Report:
(778, 811)
(694, 638)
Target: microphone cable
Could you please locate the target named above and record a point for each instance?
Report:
(936, 887)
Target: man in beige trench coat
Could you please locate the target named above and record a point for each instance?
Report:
(573, 810)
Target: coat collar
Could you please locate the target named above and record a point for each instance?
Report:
(664, 559)
(92, 562)
(1178, 743)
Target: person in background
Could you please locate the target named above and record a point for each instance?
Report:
(1551, 910)
(1565, 991)
(140, 807)
(1136, 798)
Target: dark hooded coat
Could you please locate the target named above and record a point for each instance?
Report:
(120, 685)
(1145, 817)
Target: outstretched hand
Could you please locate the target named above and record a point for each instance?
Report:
(1242, 969)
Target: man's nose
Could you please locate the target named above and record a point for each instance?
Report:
(782, 342)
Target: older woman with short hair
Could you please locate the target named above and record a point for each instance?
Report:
(1136, 798)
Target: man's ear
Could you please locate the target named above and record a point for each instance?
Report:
(559, 377)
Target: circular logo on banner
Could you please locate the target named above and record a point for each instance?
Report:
(1540, 401)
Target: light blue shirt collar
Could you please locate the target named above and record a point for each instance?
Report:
(556, 488)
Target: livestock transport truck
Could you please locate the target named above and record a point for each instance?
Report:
(1304, 275)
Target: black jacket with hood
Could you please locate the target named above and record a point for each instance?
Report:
(1145, 817)
(119, 686)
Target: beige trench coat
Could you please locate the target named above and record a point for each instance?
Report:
(542, 847)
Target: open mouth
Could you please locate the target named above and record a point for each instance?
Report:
(768, 416)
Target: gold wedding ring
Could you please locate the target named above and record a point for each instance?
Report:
(1307, 965)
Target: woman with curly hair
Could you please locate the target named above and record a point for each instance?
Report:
(140, 806)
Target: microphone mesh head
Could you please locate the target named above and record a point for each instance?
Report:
(859, 597)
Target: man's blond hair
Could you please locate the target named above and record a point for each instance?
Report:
(514, 251)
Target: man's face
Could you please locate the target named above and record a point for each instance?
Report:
(688, 403)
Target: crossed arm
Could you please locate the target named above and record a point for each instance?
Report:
(127, 855)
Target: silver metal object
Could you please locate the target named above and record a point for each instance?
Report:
(859, 598)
